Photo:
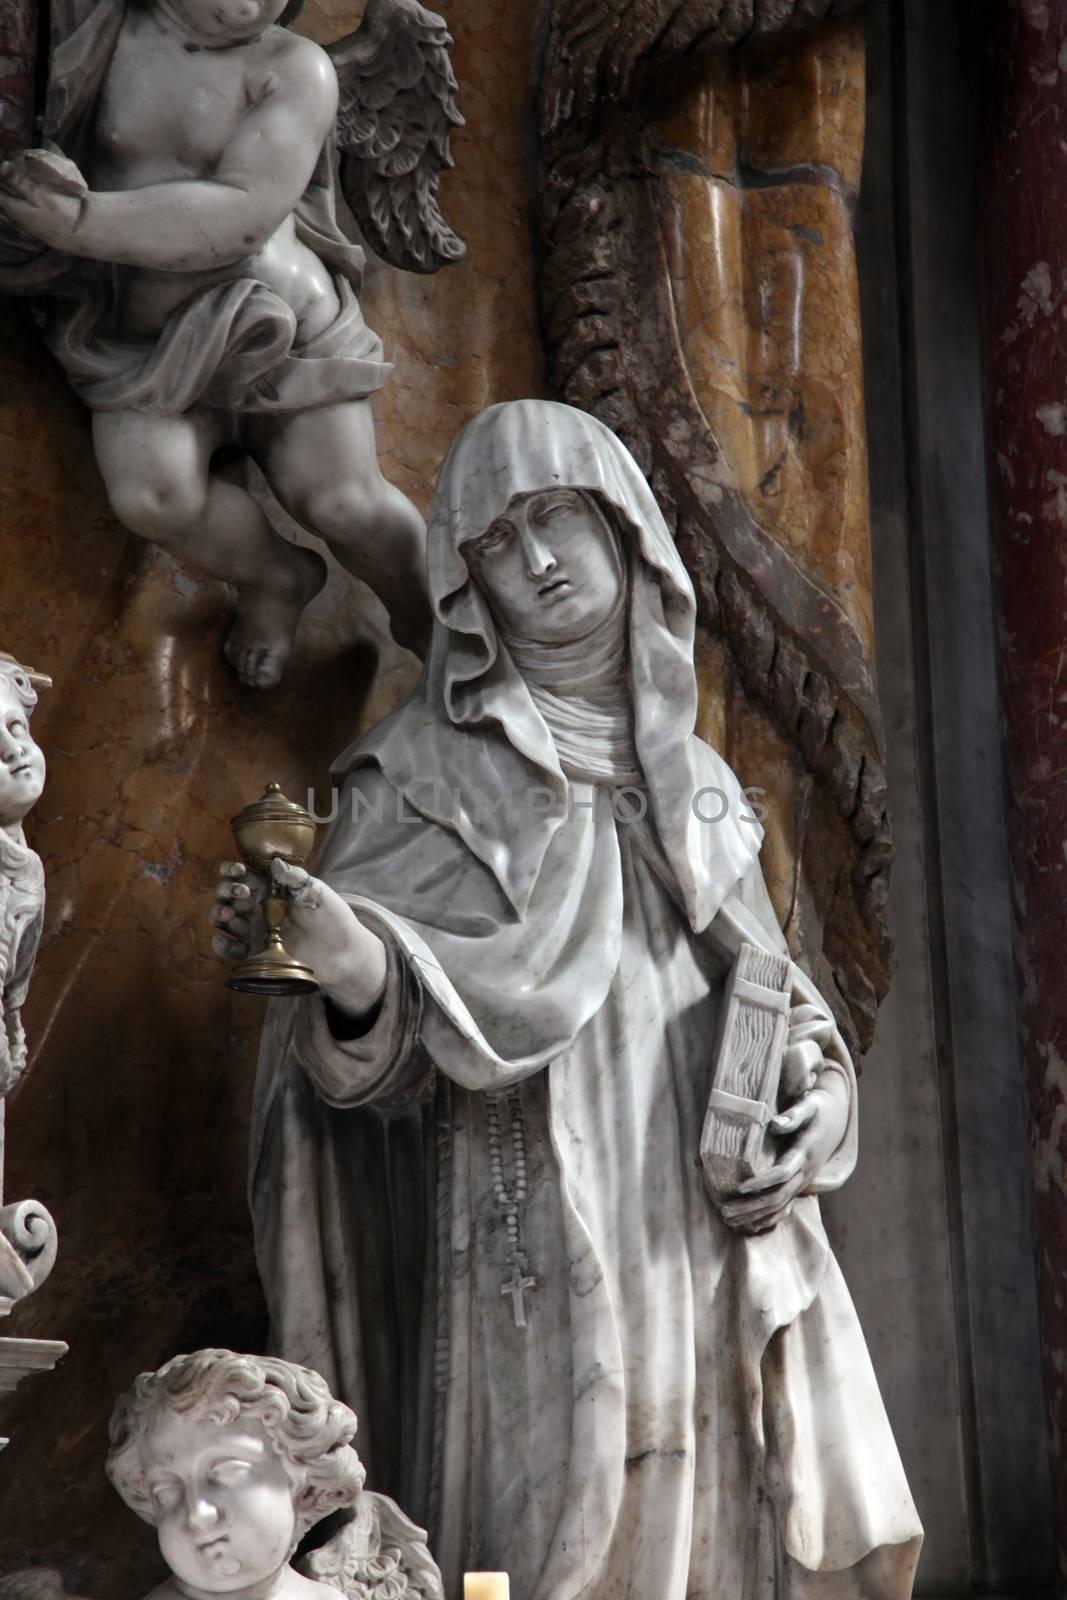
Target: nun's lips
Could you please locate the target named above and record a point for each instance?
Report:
(555, 586)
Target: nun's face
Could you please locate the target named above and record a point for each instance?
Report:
(549, 566)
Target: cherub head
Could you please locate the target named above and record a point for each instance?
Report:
(232, 1458)
(21, 759)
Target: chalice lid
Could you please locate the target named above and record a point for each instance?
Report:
(272, 806)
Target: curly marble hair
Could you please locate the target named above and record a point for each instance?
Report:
(310, 1430)
(23, 680)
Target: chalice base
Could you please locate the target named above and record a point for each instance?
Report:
(273, 971)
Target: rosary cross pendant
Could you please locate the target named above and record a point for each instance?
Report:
(516, 1287)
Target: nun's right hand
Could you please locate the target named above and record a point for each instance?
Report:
(237, 914)
(320, 930)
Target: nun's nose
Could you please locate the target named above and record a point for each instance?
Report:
(537, 553)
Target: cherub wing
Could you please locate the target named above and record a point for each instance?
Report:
(396, 114)
(396, 1531)
(379, 1554)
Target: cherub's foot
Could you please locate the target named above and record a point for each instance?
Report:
(260, 641)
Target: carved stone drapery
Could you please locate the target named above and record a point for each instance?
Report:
(698, 295)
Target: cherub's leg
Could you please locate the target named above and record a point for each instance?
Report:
(158, 479)
(323, 466)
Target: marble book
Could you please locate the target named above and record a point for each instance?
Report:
(748, 1070)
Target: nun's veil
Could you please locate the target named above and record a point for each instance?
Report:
(471, 727)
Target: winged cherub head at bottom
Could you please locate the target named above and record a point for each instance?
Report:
(232, 1458)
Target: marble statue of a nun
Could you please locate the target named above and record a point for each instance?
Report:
(479, 1206)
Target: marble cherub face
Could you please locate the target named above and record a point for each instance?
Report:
(222, 1501)
(220, 23)
(22, 769)
(549, 566)
(232, 1458)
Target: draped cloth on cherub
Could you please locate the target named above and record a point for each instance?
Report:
(234, 345)
(690, 1412)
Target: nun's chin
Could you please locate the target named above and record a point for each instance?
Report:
(564, 621)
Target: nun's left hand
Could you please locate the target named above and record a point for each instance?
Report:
(814, 1128)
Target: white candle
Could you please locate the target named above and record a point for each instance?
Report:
(486, 1586)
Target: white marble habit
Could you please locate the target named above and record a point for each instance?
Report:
(691, 1412)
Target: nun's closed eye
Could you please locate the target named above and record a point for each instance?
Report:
(499, 534)
(495, 537)
(555, 508)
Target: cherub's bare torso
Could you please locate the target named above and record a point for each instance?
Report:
(169, 112)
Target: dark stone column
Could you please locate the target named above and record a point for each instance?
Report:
(18, 48)
(1024, 197)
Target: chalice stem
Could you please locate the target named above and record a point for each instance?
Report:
(274, 910)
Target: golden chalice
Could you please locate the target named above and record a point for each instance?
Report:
(274, 828)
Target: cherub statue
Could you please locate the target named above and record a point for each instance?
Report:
(233, 1458)
(181, 217)
(28, 1239)
(22, 772)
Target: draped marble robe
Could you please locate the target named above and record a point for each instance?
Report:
(689, 1412)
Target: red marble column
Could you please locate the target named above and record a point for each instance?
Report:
(1024, 196)
(18, 48)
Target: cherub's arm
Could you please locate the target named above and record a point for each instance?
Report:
(195, 224)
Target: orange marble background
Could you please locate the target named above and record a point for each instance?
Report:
(132, 1125)
(766, 296)
(766, 299)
